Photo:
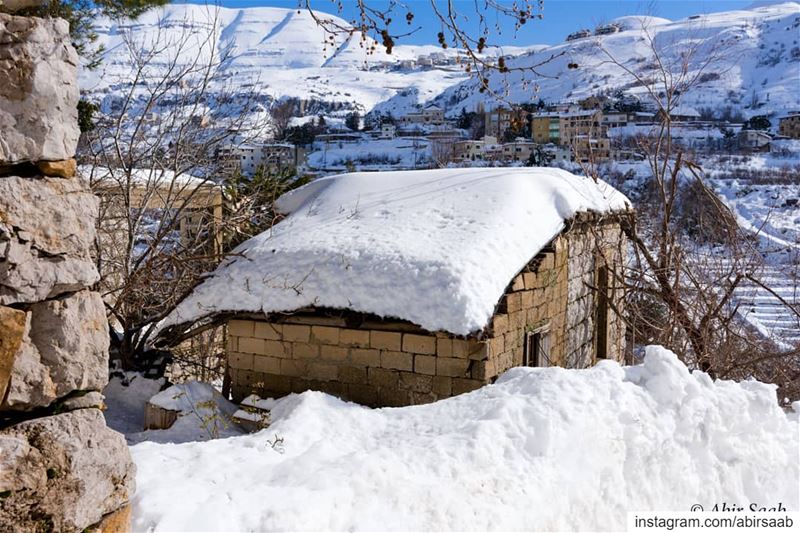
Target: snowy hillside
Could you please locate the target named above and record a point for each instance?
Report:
(278, 53)
(273, 52)
(543, 449)
(759, 62)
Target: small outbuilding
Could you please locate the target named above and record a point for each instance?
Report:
(398, 288)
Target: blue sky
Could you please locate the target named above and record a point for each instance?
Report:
(561, 16)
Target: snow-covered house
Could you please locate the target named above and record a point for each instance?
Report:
(400, 288)
(754, 140)
(789, 125)
(387, 131)
(431, 114)
(680, 113)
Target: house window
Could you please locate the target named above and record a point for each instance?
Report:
(601, 313)
(537, 347)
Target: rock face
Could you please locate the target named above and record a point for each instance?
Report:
(61, 468)
(62, 169)
(46, 234)
(30, 385)
(12, 330)
(65, 349)
(38, 90)
(16, 5)
(62, 472)
(71, 334)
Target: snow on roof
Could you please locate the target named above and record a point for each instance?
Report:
(684, 111)
(144, 177)
(434, 247)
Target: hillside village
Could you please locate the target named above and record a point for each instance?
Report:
(533, 134)
(273, 269)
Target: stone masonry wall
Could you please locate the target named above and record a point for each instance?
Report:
(368, 365)
(395, 363)
(61, 468)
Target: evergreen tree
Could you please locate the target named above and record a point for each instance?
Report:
(353, 121)
(758, 122)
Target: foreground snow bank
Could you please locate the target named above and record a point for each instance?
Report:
(203, 413)
(542, 449)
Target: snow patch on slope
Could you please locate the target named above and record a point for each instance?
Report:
(542, 449)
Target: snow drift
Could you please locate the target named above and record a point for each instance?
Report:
(550, 449)
(434, 247)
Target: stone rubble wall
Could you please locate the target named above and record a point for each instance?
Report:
(384, 363)
(61, 467)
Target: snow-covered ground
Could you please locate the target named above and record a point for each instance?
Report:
(542, 449)
(768, 206)
(203, 413)
(371, 154)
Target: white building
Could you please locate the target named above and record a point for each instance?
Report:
(556, 152)
(388, 131)
(271, 156)
(754, 140)
(430, 114)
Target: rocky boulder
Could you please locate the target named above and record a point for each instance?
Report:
(47, 229)
(29, 384)
(38, 90)
(12, 331)
(64, 349)
(16, 5)
(62, 472)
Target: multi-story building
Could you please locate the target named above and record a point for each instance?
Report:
(585, 133)
(754, 140)
(500, 120)
(430, 114)
(518, 150)
(789, 126)
(581, 123)
(387, 131)
(546, 128)
(615, 119)
(191, 207)
(555, 153)
(587, 149)
(250, 157)
(486, 149)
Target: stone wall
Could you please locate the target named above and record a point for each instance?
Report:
(378, 363)
(61, 468)
(390, 363)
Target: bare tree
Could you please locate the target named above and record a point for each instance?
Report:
(443, 151)
(688, 256)
(486, 20)
(282, 113)
(154, 159)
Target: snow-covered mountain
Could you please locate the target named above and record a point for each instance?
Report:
(272, 51)
(283, 53)
(756, 65)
